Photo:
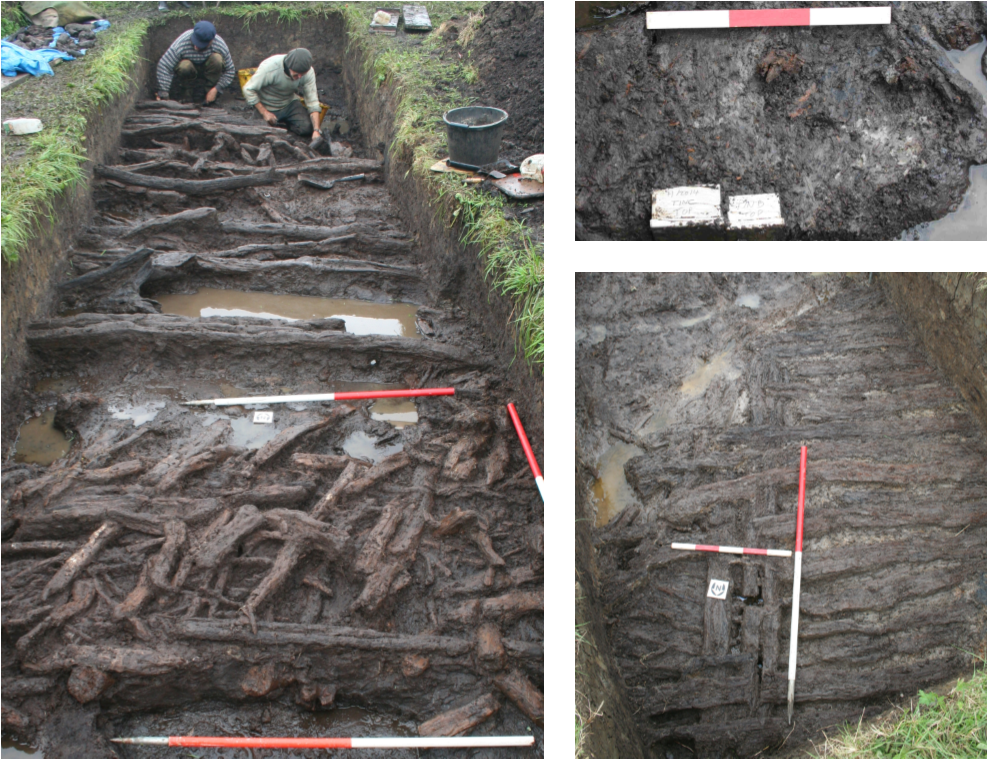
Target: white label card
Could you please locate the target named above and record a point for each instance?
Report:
(263, 417)
(718, 589)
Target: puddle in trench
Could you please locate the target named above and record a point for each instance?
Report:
(970, 220)
(39, 442)
(245, 433)
(698, 382)
(360, 445)
(361, 317)
(56, 385)
(11, 750)
(611, 492)
(141, 414)
(749, 301)
(399, 412)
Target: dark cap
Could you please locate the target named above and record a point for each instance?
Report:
(203, 33)
(298, 60)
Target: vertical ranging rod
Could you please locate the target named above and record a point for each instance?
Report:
(797, 570)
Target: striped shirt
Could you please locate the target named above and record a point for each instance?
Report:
(182, 48)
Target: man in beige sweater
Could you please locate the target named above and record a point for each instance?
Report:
(273, 89)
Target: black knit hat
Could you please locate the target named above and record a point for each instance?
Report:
(299, 60)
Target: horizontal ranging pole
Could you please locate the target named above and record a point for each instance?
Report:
(529, 454)
(731, 549)
(769, 17)
(195, 741)
(357, 395)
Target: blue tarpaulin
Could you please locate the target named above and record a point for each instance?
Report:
(15, 60)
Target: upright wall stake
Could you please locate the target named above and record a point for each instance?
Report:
(797, 571)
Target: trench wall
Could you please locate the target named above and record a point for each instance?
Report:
(600, 688)
(28, 286)
(946, 311)
(454, 270)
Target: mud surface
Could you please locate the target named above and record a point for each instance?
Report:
(863, 132)
(893, 588)
(360, 567)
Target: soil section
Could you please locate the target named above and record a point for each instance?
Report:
(863, 132)
(893, 586)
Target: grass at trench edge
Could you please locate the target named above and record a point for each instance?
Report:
(422, 84)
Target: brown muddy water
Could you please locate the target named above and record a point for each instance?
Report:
(40, 442)
(969, 221)
(361, 317)
(11, 750)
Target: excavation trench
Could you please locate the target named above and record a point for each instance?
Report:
(694, 394)
(352, 568)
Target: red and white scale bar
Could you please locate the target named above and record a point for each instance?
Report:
(527, 448)
(731, 549)
(350, 395)
(196, 741)
(769, 17)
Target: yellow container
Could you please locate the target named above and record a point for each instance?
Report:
(245, 75)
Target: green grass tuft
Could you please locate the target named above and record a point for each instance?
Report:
(53, 159)
(12, 18)
(932, 726)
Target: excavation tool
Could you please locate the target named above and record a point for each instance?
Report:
(539, 482)
(356, 395)
(327, 185)
(797, 569)
(769, 17)
(195, 741)
(731, 549)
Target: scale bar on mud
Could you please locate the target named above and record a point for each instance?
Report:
(732, 19)
(355, 395)
(196, 741)
(527, 447)
(731, 549)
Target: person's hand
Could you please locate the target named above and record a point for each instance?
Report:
(270, 118)
(211, 95)
(157, 96)
(316, 141)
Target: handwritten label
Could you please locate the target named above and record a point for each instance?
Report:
(718, 589)
(686, 207)
(754, 211)
(263, 417)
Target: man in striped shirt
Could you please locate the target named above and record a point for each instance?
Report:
(198, 54)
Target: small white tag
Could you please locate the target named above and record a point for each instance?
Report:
(263, 417)
(718, 589)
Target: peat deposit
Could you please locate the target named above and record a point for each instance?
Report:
(694, 395)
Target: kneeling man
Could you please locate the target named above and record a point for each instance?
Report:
(198, 55)
(273, 89)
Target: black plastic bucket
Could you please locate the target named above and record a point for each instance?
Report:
(474, 134)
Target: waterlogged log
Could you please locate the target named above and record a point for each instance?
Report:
(298, 231)
(525, 696)
(121, 271)
(193, 217)
(223, 543)
(458, 721)
(238, 338)
(81, 559)
(190, 186)
(164, 105)
(126, 661)
(288, 436)
(198, 463)
(323, 462)
(320, 636)
(156, 572)
(335, 165)
(83, 594)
